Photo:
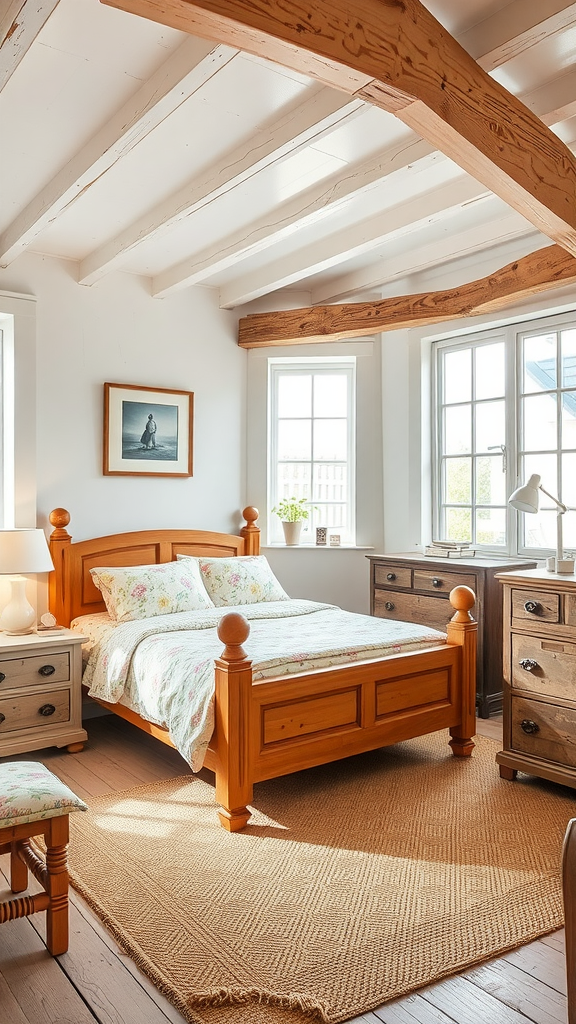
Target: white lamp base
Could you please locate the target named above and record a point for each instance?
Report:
(18, 616)
(560, 565)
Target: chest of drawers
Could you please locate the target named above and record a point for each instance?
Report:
(540, 676)
(415, 588)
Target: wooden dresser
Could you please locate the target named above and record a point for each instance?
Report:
(540, 674)
(415, 588)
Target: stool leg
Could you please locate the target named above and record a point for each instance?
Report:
(57, 885)
(18, 869)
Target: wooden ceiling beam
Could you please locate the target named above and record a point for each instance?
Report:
(20, 23)
(399, 57)
(540, 271)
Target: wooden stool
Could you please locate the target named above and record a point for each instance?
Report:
(33, 802)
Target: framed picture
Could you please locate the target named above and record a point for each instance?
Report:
(147, 431)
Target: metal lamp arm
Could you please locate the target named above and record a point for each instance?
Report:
(561, 506)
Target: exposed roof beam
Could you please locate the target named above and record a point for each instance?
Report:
(20, 23)
(450, 248)
(300, 211)
(548, 268)
(354, 240)
(515, 29)
(309, 122)
(186, 71)
(398, 56)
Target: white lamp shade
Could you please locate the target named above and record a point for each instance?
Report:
(526, 498)
(24, 551)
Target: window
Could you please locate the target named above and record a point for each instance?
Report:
(505, 408)
(312, 442)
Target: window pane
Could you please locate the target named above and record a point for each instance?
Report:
(490, 481)
(458, 524)
(568, 356)
(458, 480)
(295, 395)
(540, 363)
(294, 439)
(330, 483)
(330, 439)
(490, 425)
(539, 420)
(457, 430)
(547, 467)
(568, 495)
(491, 526)
(332, 516)
(330, 395)
(458, 376)
(540, 530)
(490, 371)
(569, 419)
(293, 480)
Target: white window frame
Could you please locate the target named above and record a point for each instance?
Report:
(278, 367)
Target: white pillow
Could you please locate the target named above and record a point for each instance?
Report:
(144, 591)
(247, 579)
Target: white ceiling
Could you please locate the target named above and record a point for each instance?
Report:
(130, 147)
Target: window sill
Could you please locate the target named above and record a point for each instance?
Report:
(319, 547)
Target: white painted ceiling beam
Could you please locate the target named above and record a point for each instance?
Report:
(554, 101)
(186, 71)
(310, 122)
(356, 240)
(20, 23)
(516, 28)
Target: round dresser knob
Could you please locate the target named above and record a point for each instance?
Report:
(436, 582)
(2, 677)
(46, 670)
(2, 718)
(389, 606)
(529, 664)
(529, 726)
(391, 576)
(533, 607)
(46, 709)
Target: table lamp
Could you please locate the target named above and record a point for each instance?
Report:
(526, 499)
(21, 551)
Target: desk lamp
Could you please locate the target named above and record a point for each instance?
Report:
(526, 499)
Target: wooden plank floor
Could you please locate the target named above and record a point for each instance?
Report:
(96, 981)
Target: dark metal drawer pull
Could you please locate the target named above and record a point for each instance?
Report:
(2, 677)
(436, 582)
(529, 726)
(2, 718)
(46, 709)
(389, 606)
(47, 670)
(391, 576)
(529, 664)
(533, 607)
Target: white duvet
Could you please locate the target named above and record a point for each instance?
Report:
(163, 667)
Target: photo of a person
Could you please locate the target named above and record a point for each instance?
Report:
(148, 438)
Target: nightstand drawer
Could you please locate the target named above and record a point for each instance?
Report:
(544, 666)
(33, 710)
(392, 576)
(530, 606)
(442, 582)
(30, 671)
(544, 730)
(413, 608)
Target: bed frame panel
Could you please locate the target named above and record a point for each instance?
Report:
(266, 728)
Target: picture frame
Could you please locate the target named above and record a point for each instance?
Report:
(147, 431)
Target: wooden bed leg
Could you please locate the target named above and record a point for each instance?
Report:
(569, 896)
(231, 742)
(462, 630)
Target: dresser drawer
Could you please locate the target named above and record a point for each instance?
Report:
(392, 576)
(442, 582)
(429, 611)
(16, 672)
(544, 666)
(532, 606)
(544, 730)
(34, 709)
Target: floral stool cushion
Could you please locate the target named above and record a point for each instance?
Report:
(29, 792)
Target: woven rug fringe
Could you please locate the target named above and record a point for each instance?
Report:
(242, 996)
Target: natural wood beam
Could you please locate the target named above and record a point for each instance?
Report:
(20, 23)
(548, 268)
(399, 57)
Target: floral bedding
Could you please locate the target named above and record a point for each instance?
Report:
(163, 667)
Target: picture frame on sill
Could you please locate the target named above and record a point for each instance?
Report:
(147, 431)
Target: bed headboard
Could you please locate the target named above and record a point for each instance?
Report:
(71, 590)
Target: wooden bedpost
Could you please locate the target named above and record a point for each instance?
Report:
(251, 532)
(58, 591)
(232, 725)
(462, 630)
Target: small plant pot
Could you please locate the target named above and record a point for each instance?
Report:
(292, 532)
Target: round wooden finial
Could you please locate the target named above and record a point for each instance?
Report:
(59, 517)
(462, 599)
(233, 629)
(250, 514)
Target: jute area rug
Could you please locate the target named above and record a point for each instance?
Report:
(355, 882)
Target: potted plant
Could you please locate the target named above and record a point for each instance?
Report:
(292, 512)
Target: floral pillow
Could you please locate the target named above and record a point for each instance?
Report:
(247, 579)
(144, 591)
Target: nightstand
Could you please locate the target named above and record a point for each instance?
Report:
(40, 693)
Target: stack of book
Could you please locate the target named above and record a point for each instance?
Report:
(449, 549)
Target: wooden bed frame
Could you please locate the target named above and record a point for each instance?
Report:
(272, 727)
